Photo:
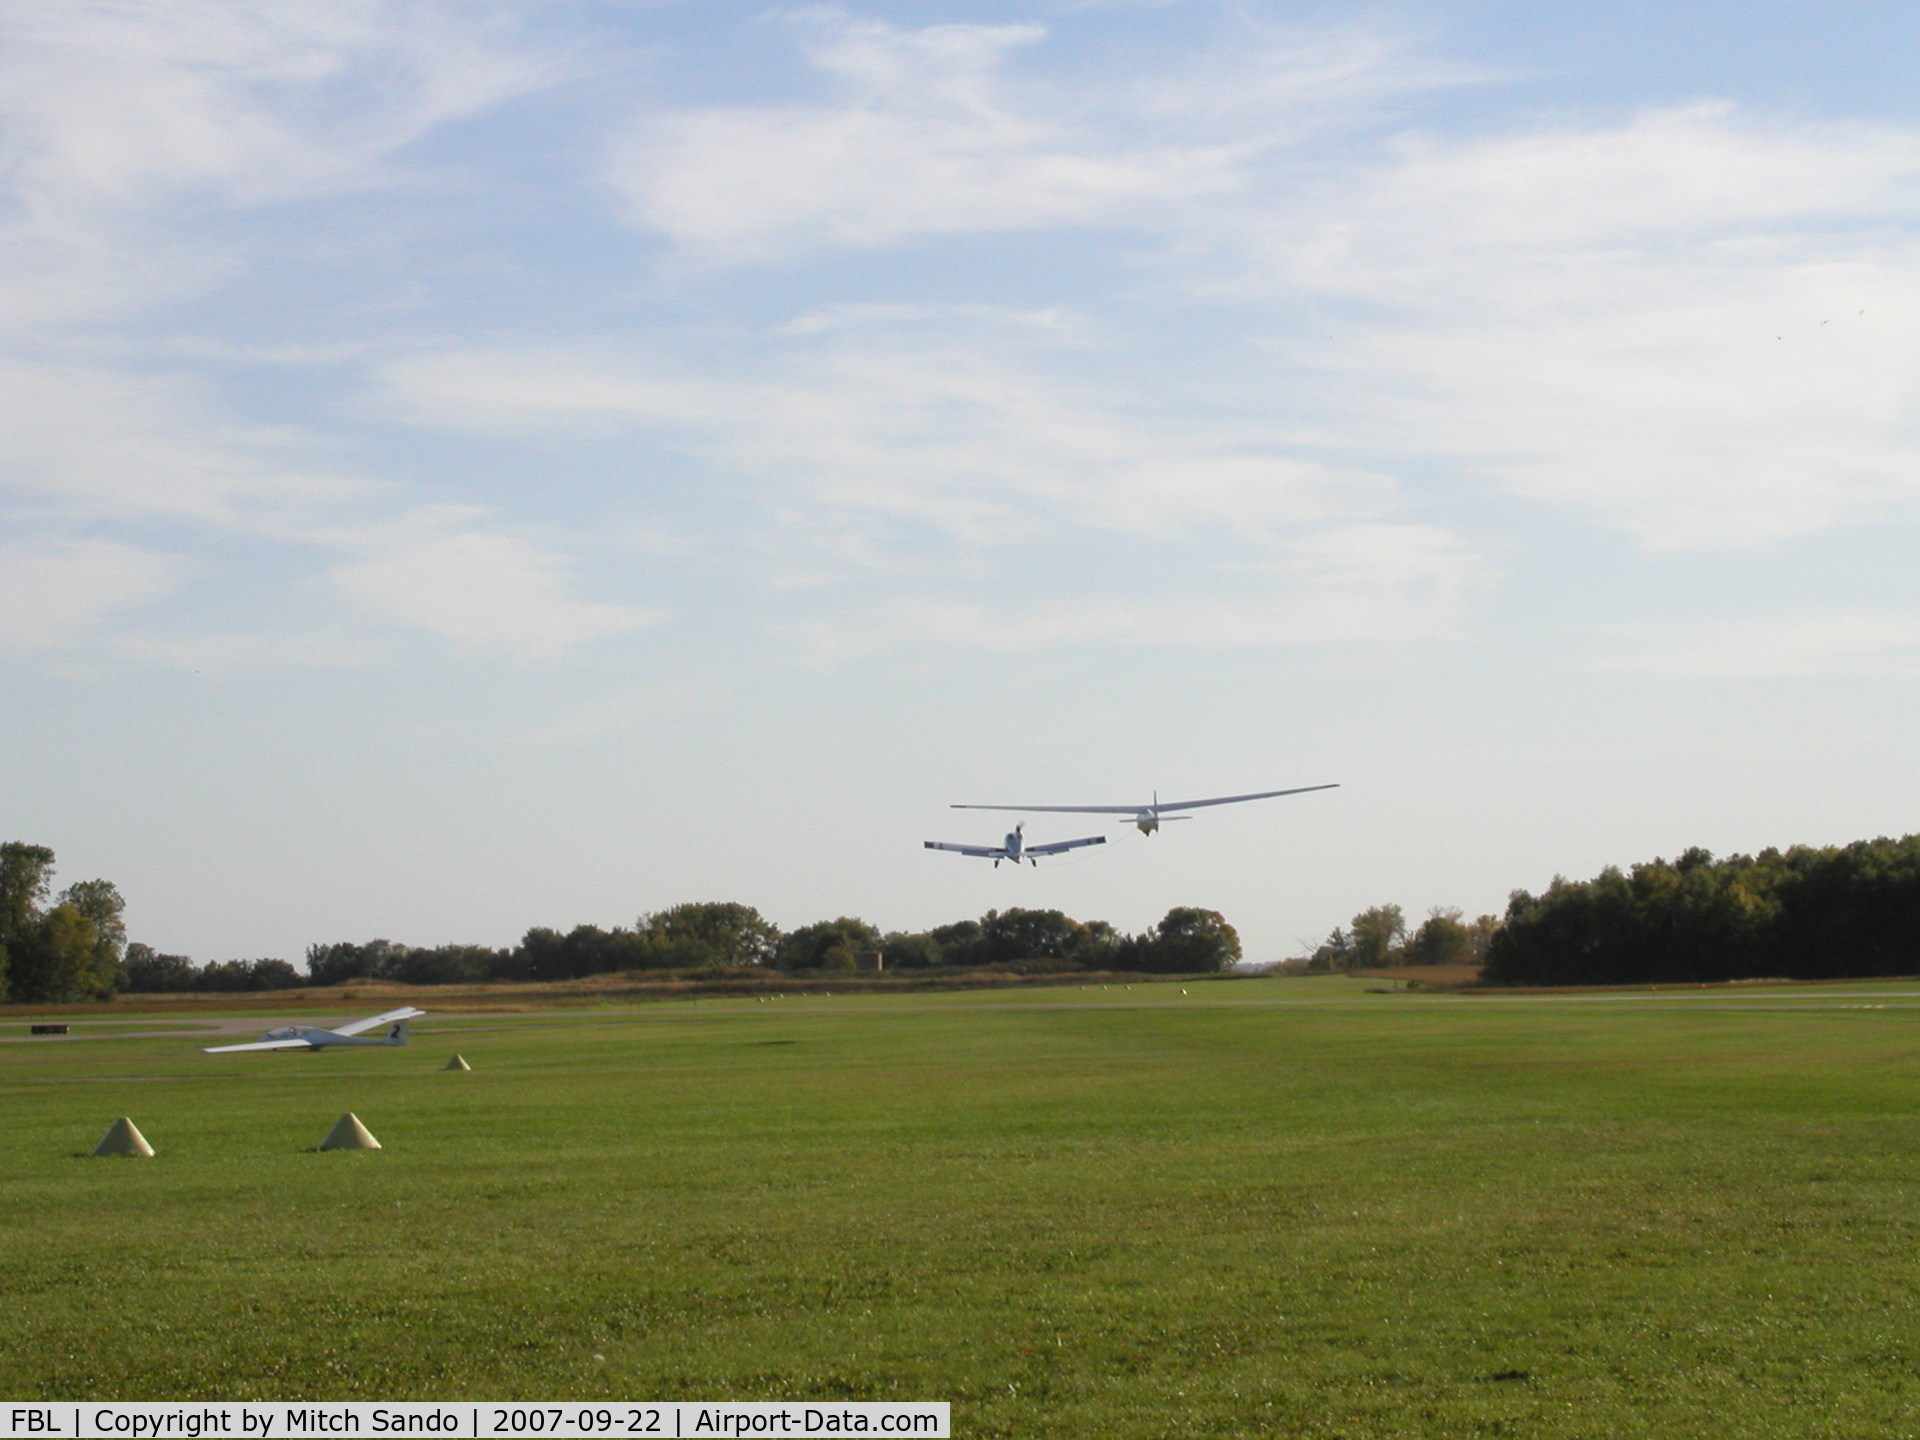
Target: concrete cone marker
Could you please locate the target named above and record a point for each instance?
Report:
(349, 1134)
(123, 1137)
(459, 1062)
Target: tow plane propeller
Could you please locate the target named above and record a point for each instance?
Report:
(315, 1037)
(1149, 816)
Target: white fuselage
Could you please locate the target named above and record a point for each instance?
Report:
(1015, 843)
(318, 1037)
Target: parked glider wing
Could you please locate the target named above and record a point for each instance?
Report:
(1058, 846)
(405, 1012)
(258, 1045)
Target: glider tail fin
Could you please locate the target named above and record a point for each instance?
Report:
(398, 1035)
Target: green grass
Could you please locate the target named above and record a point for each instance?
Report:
(1264, 1208)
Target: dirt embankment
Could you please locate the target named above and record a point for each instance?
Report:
(1428, 977)
(619, 987)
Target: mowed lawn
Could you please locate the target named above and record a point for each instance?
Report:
(1261, 1208)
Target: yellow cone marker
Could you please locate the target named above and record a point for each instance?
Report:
(349, 1134)
(123, 1137)
(459, 1062)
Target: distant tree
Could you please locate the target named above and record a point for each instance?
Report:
(26, 875)
(807, 948)
(1376, 935)
(584, 950)
(704, 933)
(905, 950)
(100, 902)
(1480, 935)
(451, 965)
(1333, 953)
(58, 960)
(1440, 940)
(145, 971)
(1190, 941)
(961, 943)
(343, 961)
(1049, 939)
(234, 975)
(56, 954)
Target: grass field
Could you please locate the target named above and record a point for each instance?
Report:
(1280, 1207)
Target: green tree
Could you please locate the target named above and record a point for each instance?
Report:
(1333, 953)
(807, 948)
(960, 943)
(100, 902)
(1441, 940)
(911, 950)
(26, 874)
(711, 933)
(57, 961)
(1191, 941)
(146, 971)
(1042, 938)
(1376, 934)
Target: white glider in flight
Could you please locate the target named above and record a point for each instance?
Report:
(1149, 816)
(314, 1037)
(1016, 849)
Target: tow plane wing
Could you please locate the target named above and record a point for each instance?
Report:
(1058, 847)
(1016, 848)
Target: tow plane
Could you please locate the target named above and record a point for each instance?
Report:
(1149, 816)
(315, 1037)
(1016, 848)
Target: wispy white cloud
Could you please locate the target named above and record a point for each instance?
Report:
(611, 715)
(93, 442)
(1771, 647)
(54, 593)
(485, 593)
(1691, 326)
(1365, 585)
(131, 125)
(933, 131)
(976, 442)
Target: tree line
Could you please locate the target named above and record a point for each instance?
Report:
(64, 947)
(74, 946)
(1802, 913)
(1807, 913)
(710, 936)
(1377, 939)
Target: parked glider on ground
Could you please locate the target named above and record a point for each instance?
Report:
(1016, 848)
(315, 1037)
(1149, 816)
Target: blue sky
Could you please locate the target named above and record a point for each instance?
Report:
(464, 468)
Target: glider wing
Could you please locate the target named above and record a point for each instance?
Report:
(1235, 799)
(405, 1012)
(1152, 807)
